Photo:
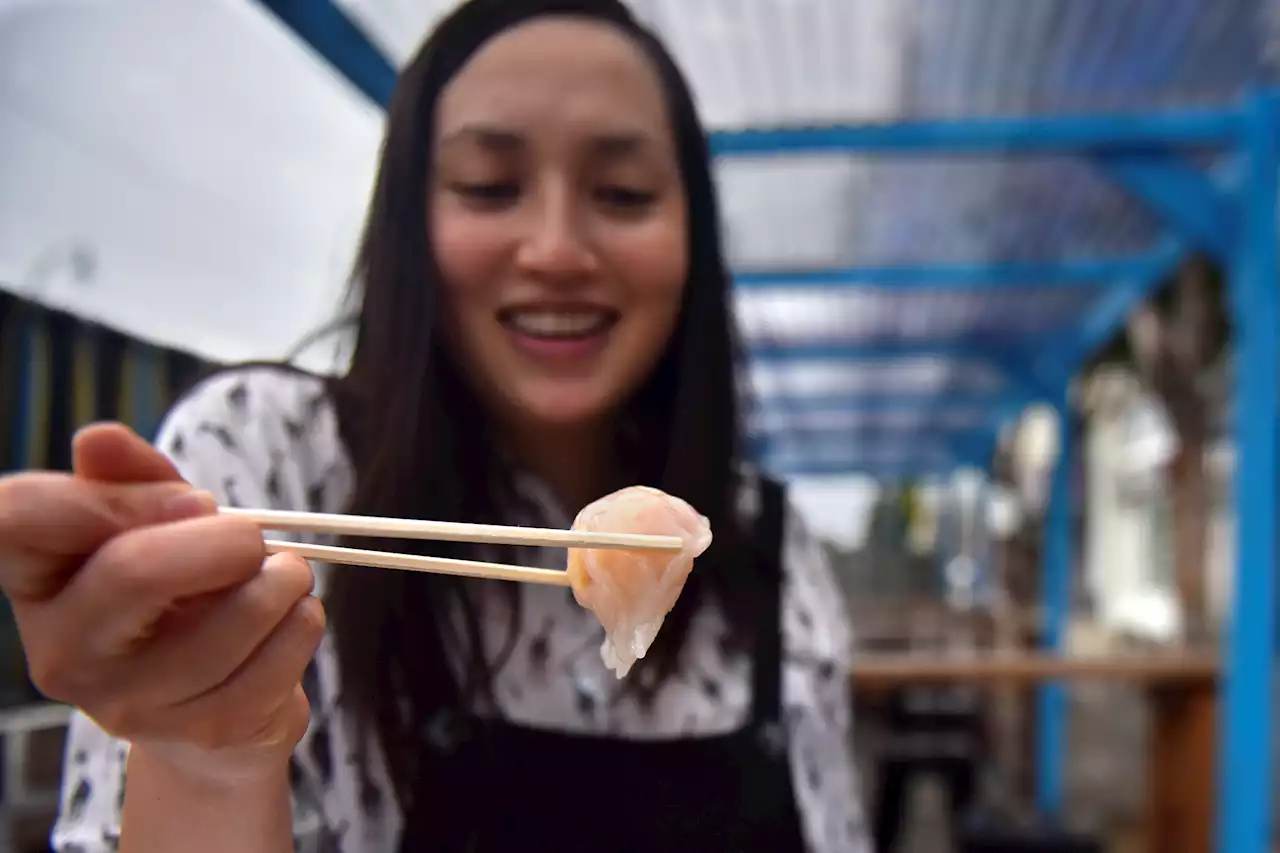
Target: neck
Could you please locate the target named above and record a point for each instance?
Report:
(578, 464)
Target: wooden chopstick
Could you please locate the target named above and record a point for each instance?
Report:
(415, 563)
(447, 531)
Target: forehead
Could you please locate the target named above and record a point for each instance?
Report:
(559, 76)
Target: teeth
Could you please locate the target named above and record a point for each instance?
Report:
(549, 324)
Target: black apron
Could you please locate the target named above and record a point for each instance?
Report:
(517, 790)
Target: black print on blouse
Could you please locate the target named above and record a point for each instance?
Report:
(813, 774)
(311, 682)
(826, 671)
(726, 646)
(315, 497)
(539, 652)
(331, 839)
(586, 703)
(178, 447)
(370, 797)
(294, 430)
(322, 753)
(111, 838)
(219, 432)
(79, 799)
(238, 398)
(711, 688)
(315, 406)
(229, 487)
(81, 756)
(806, 621)
(272, 485)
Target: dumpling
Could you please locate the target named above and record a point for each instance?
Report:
(631, 592)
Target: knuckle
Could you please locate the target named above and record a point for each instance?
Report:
(55, 660)
(128, 566)
(236, 542)
(19, 491)
(309, 618)
(244, 535)
(54, 675)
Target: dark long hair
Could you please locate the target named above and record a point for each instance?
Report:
(409, 420)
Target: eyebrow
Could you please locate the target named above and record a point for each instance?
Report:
(611, 145)
(486, 136)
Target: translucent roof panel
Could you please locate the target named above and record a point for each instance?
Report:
(1004, 319)
(861, 374)
(793, 212)
(786, 62)
(186, 147)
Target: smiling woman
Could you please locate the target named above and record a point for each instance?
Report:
(556, 167)
(545, 319)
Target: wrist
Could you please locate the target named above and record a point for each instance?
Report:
(212, 771)
(205, 806)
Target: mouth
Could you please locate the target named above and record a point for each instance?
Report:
(559, 324)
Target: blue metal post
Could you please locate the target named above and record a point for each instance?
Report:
(1056, 562)
(1244, 752)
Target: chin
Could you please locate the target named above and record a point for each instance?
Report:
(563, 410)
(564, 417)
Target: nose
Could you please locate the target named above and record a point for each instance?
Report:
(557, 245)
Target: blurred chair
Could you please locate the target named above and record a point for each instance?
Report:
(31, 746)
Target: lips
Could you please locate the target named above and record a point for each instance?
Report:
(560, 323)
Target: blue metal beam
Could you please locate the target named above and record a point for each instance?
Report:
(340, 42)
(1057, 562)
(1092, 273)
(1188, 200)
(1077, 134)
(1057, 363)
(1244, 753)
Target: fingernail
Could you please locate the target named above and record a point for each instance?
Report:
(188, 504)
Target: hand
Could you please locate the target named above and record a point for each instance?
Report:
(160, 619)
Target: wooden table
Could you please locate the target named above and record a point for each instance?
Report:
(1182, 694)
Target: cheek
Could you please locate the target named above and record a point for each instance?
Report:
(657, 270)
(468, 250)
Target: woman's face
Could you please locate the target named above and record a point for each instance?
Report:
(558, 221)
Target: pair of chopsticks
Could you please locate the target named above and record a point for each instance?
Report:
(439, 531)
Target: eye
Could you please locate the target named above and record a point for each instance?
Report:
(488, 194)
(625, 197)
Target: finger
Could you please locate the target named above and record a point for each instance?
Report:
(221, 636)
(46, 518)
(240, 711)
(112, 452)
(122, 590)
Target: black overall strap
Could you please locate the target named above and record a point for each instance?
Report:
(766, 711)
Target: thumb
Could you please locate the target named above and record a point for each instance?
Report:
(113, 453)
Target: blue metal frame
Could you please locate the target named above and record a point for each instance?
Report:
(1228, 212)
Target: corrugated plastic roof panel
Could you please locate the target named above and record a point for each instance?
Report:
(867, 375)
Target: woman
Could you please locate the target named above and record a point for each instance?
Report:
(545, 318)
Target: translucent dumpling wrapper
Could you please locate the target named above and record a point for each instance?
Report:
(631, 592)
